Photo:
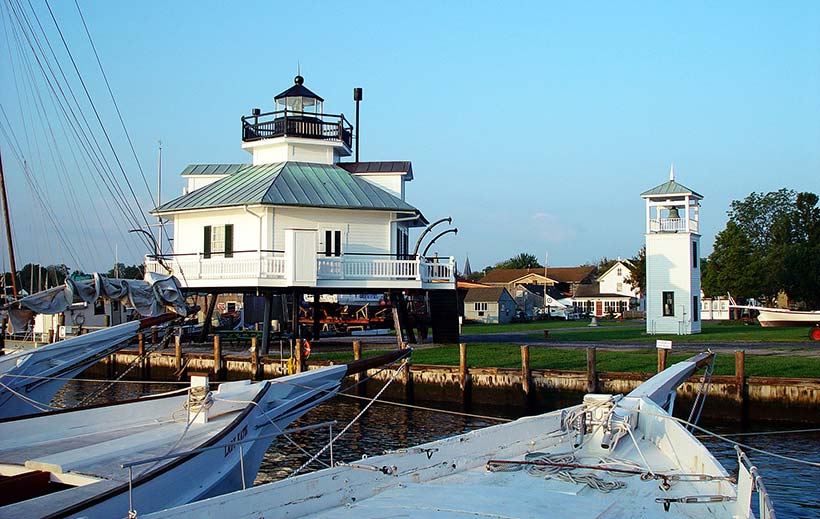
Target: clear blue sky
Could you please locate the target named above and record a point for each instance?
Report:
(536, 126)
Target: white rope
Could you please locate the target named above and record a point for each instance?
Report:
(281, 431)
(355, 419)
(38, 405)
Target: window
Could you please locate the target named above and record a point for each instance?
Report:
(99, 307)
(694, 255)
(695, 309)
(481, 306)
(619, 287)
(402, 244)
(668, 304)
(333, 243)
(619, 272)
(218, 239)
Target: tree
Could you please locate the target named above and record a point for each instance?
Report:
(523, 260)
(757, 214)
(733, 266)
(800, 272)
(604, 264)
(127, 271)
(637, 273)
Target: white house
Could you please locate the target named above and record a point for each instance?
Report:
(297, 217)
(672, 259)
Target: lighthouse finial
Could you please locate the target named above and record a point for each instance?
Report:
(672, 172)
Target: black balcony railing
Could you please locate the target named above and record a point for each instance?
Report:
(284, 123)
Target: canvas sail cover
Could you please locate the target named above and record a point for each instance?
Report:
(155, 296)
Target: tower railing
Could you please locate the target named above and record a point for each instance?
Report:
(288, 123)
(673, 225)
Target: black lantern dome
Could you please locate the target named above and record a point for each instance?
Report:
(299, 98)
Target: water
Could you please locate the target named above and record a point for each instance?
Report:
(793, 487)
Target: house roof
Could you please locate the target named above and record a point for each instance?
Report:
(479, 295)
(670, 187)
(594, 290)
(623, 263)
(558, 274)
(211, 169)
(394, 166)
(290, 184)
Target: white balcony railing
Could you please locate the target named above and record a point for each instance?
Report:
(273, 266)
(672, 225)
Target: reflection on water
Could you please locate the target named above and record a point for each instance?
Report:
(793, 487)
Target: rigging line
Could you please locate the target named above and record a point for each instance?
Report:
(113, 100)
(35, 191)
(96, 113)
(77, 216)
(763, 433)
(106, 174)
(732, 442)
(108, 170)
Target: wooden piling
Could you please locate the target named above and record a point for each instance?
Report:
(407, 377)
(740, 377)
(217, 358)
(526, 373)
(178, 352)
(465, 380)
(297, 353)
(154, 335)
(141, 353)
(662, 355)
(254, 358)
(51, 336)
(592, 373)
(359, 378)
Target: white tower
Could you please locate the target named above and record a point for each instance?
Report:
(672, 259)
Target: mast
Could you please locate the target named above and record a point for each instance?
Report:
(159, 199)
(12, 263)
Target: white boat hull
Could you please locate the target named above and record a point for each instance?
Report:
(164, 483)
(775, 317)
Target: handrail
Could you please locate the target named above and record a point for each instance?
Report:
(766, 509)
(281, 123)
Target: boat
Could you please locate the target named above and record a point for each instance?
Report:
(29, 379)
(183, 447)
(612, 456)
(777, 317)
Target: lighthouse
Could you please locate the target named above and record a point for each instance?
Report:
(672, 258)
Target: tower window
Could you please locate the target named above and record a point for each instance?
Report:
(668, 304)
(694, 254)
(695, 309)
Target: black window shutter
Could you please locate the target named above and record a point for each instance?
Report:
(229, 240)
(206, 246)
(328, 242)
(337, 250)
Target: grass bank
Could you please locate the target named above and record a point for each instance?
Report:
(506, 355)
(728, 332)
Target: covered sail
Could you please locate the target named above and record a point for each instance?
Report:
(155, 296)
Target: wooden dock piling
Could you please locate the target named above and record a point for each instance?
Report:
(740, 377)
(141, 353)
(361, 383)
(407, 377)
(154, 335)
(662, 355)
(592, 373)
(217, 358)
(254, 358)
(526, 373)
(178, 352)
(464, 378)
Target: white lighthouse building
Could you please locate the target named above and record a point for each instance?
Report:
(672, 259)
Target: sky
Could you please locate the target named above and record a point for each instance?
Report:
(536, 126)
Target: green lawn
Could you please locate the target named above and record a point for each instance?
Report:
(471, 329)
(711, 332)
(505, 355)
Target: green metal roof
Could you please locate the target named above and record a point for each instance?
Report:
(290, 184)
(670, 187)
(211, 169)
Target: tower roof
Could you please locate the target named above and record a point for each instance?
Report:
(298, 90)
(670, 187)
